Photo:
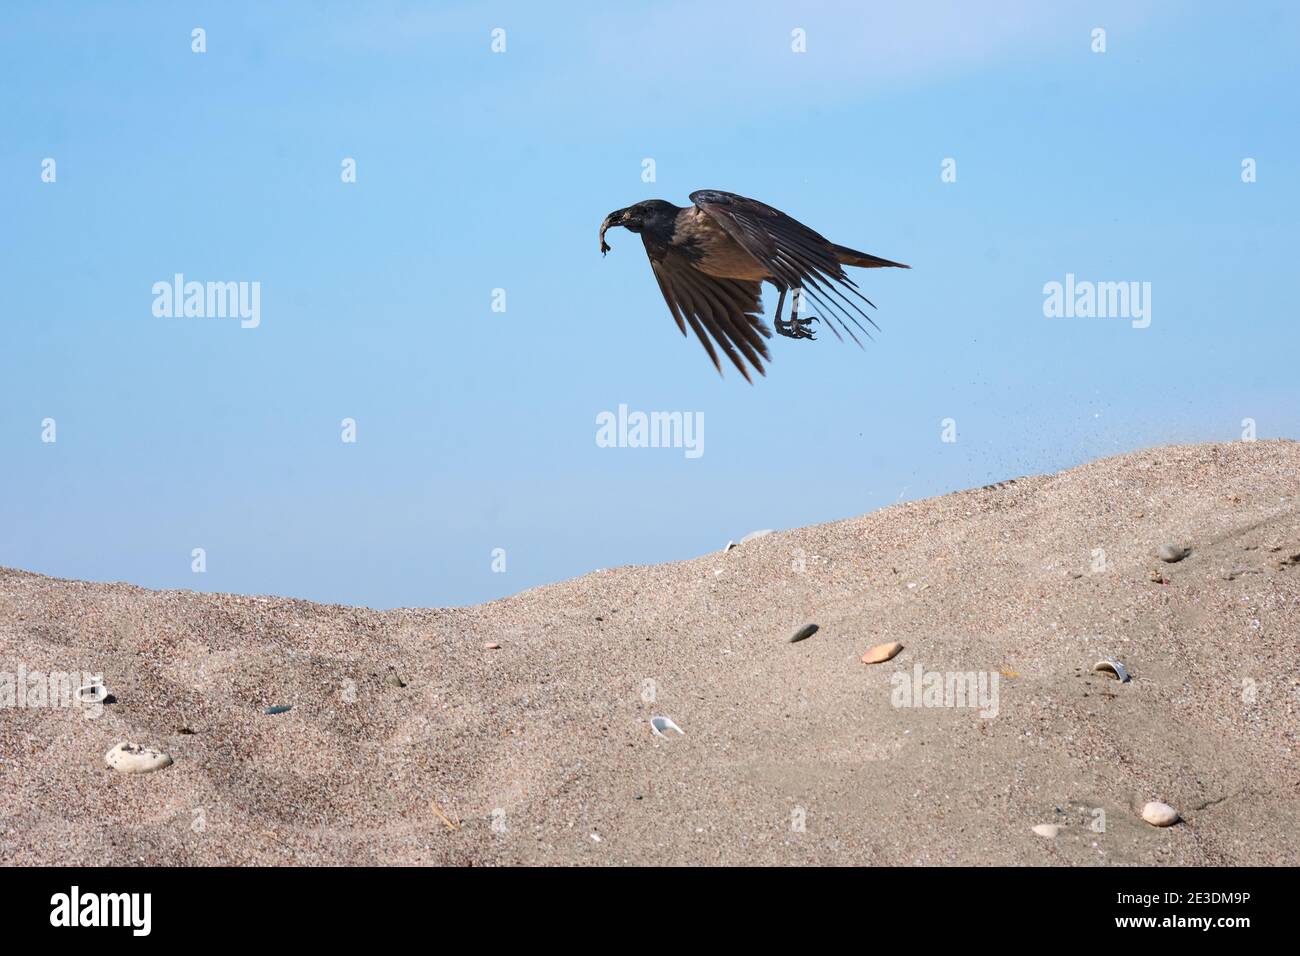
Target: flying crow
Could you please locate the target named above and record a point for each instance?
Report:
(711, 259)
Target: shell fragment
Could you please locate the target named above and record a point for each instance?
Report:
(1114, 668)
(660, 724)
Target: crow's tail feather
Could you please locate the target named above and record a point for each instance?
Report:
(851, 257)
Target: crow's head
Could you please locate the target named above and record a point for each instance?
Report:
(653, 214)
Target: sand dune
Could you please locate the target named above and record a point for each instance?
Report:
(541, 751)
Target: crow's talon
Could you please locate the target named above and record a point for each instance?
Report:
(797, 328)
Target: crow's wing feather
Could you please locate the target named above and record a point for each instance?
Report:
(796, 256)
(725, 311)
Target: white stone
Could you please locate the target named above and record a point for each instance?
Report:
(1160, 814)
(132, 758)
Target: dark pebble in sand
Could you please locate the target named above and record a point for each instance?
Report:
(805, 632)
(282, 709)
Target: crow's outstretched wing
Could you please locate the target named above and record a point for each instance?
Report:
(795, 255)
(724, 310)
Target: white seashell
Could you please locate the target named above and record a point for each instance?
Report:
(1112, 666)
(660, 724)
(1160, 814)
(1049, 830)
(132, 758)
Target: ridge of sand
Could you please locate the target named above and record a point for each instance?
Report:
(535, 747)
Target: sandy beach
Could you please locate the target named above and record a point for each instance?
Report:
(409, 741)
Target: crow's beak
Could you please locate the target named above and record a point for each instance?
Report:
(613, 219)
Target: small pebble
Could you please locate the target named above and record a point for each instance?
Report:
(132, 758)
(1049, 830)
(1172, 553)
(280, 709)
(881, 653)
(491, 646)
(805, 632)
(1160, 814)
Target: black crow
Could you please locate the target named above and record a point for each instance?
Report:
(711, 259)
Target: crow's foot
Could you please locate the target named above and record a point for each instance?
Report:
(797, 328)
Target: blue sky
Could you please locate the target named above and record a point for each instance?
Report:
(479, 170)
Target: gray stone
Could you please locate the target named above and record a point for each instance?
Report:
(1173, 552)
